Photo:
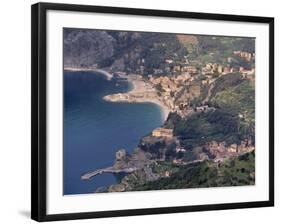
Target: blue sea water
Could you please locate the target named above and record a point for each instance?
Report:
(95, 129)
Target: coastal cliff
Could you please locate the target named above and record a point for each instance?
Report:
(119, 51)
(226, 140)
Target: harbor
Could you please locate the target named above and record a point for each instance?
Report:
(111, 169)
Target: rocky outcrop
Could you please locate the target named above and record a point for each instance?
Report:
(118, 51)
(86, 48)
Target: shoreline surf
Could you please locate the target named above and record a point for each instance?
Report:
(140, 92)
(106, 74)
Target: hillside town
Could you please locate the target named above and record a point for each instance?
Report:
(168, 91)
(206, 96)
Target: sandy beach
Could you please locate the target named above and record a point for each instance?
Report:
(141, 92)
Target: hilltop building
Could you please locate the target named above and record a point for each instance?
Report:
(162, 132)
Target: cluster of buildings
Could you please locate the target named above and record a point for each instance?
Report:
(179, 162)
(213, 68)
(177, 67)
(185, 68)
(220, 151)
(169, 87)
(245, 55)
(163, 132)
(171, 83)
(248, 73)
(166, 84)
(180, 149)
(204, 108)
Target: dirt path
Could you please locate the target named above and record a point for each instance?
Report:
(209, 94)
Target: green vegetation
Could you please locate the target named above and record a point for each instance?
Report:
(225, 82)
(212, 102)
(190, 42)
(237, 62)
(162, 167)
(232, 120)
(154, 48)
(239, 101)
(233, 172)
(212, 49)
(225, 45)
(203, 127)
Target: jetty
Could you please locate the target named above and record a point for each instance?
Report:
(111, 169)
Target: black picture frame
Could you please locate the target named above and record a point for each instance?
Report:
(38, 108)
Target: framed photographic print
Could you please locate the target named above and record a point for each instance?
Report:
(138, 111)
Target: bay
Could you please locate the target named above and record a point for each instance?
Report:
(95, 129)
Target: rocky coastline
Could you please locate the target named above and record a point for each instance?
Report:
(207, 97)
